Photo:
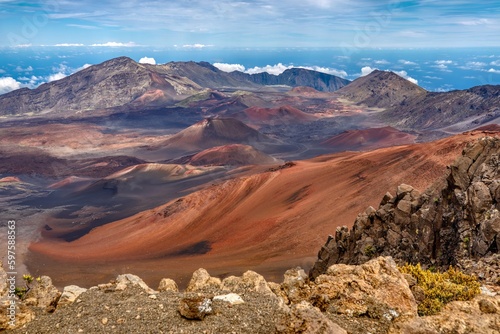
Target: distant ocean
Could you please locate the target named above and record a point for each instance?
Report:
(432, 69)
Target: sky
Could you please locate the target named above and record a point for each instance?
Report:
(195, 24)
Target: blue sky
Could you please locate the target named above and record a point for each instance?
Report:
(259, 23)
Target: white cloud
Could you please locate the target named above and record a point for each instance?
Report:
(115, 44)
(31, 82)
(277, 69)
(69, 44)
(82, 26)
(23, 45)
(27, 69)
(327, 70)
(442, 65)
(476, 64)
(476, 22)
(196, 46)
(271, 69)
(367, 70)
(492, 70)
(495, 63)
(406, 62)
(147, 60)
(443, 62)
(229, 67)
(9, 84)
(2, 71)
(82, 68)
(433, 78)
(280, 68)
(405, 75)
(381, 62)
(321, 3)
(56, 76)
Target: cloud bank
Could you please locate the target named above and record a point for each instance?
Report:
(9, 84)
(277, 69)
(147, 60)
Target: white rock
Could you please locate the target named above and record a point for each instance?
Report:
(70, 294)
(232, 298)
(122, 281)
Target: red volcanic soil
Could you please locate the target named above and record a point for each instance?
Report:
(268, 221)
(234, 155)
(282, 115)
(369, 139)
(489, 127)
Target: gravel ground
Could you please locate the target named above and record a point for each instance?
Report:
(133, 311)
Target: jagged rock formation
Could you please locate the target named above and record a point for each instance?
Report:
(452, 222)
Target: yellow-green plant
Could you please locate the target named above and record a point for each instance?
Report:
(441, 288)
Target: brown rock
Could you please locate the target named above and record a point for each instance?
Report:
(195, 308)
(201, 281)
(167, 284)
(487, 306)
(249, 281)
(295, 285)
(304, 318)
(69, 295)
(123, 281)
(456, 317)
(376, 288)
(43, 294)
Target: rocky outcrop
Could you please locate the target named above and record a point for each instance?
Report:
(374, 297)
(454, 221)
(480, 315)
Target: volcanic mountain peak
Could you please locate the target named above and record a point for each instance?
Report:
(382, 89)
(212, 132)
(113, 83)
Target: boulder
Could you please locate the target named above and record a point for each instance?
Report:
(167, 284)
(250, 281)
(375, 289)
(456, 317)
(305, 318)
(231, 298)
(295, 285)
(42, 294)
(69, 295)
(123, 281)
(195, 308)
(202, 281)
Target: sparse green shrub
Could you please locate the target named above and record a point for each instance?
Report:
(442, 288)
(22, 291)
(370, 251)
